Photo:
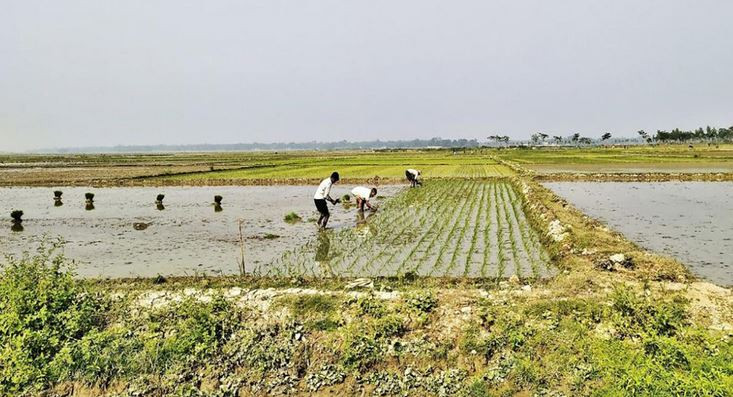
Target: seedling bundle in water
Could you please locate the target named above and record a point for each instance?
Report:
(292, 218)
(89, 197)
(17, 216)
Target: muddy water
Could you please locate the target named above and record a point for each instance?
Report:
(126, 234)
(692, 221)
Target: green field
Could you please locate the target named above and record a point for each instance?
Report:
(636, 154)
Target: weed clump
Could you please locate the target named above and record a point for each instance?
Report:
(422, 301)
(292, 218)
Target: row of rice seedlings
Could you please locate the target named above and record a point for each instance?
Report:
(533, 237)
(510, 230)
(438, 218)
(500, 237)
(460, 215)
(466, 225)
(476, 230)
(529, 241)
(487, 231)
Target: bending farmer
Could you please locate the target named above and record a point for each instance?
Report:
(323, 194)
(413, 176)
(363, 194)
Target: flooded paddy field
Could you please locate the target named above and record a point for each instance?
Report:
(453, 228)
(126, 234)
(635, 168)
(692, 221)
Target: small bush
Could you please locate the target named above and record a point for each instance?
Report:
(359, 352)
(43, 311)
(422, 301)
(292, 218)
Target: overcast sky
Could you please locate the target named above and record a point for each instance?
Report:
(102, 73)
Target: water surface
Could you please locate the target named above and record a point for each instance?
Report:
(186, 237)
(692, 221)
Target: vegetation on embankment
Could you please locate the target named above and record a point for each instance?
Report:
(571, 337)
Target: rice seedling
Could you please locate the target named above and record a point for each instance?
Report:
(89, 197)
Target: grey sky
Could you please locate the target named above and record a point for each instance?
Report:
(98, 73)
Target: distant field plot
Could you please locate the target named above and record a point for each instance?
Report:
(358, 170)
(700, 154)
(469, 228)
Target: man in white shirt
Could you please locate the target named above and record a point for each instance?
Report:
(363, 195)
(413, 176)
(323, 193)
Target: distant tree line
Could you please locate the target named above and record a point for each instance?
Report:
(709, 134)
(313, 145)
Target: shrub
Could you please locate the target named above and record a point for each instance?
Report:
(43, 310)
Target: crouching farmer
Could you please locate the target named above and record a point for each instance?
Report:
(322, 194)
(363, 195)
(413, 176)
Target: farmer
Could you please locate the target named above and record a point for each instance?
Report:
(413, 176)
(363, 195)
(323, 194)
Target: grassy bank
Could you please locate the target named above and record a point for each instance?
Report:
(601, 337)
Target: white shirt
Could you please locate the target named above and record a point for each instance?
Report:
(324, 189)
(414, 172)
(362, 192)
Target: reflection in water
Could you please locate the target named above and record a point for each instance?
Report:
(57, 202)
(160, 206)
(362, 223)
(89, 206)
(218, 208)
(17, 227)
(323, 248)
(322, 253)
